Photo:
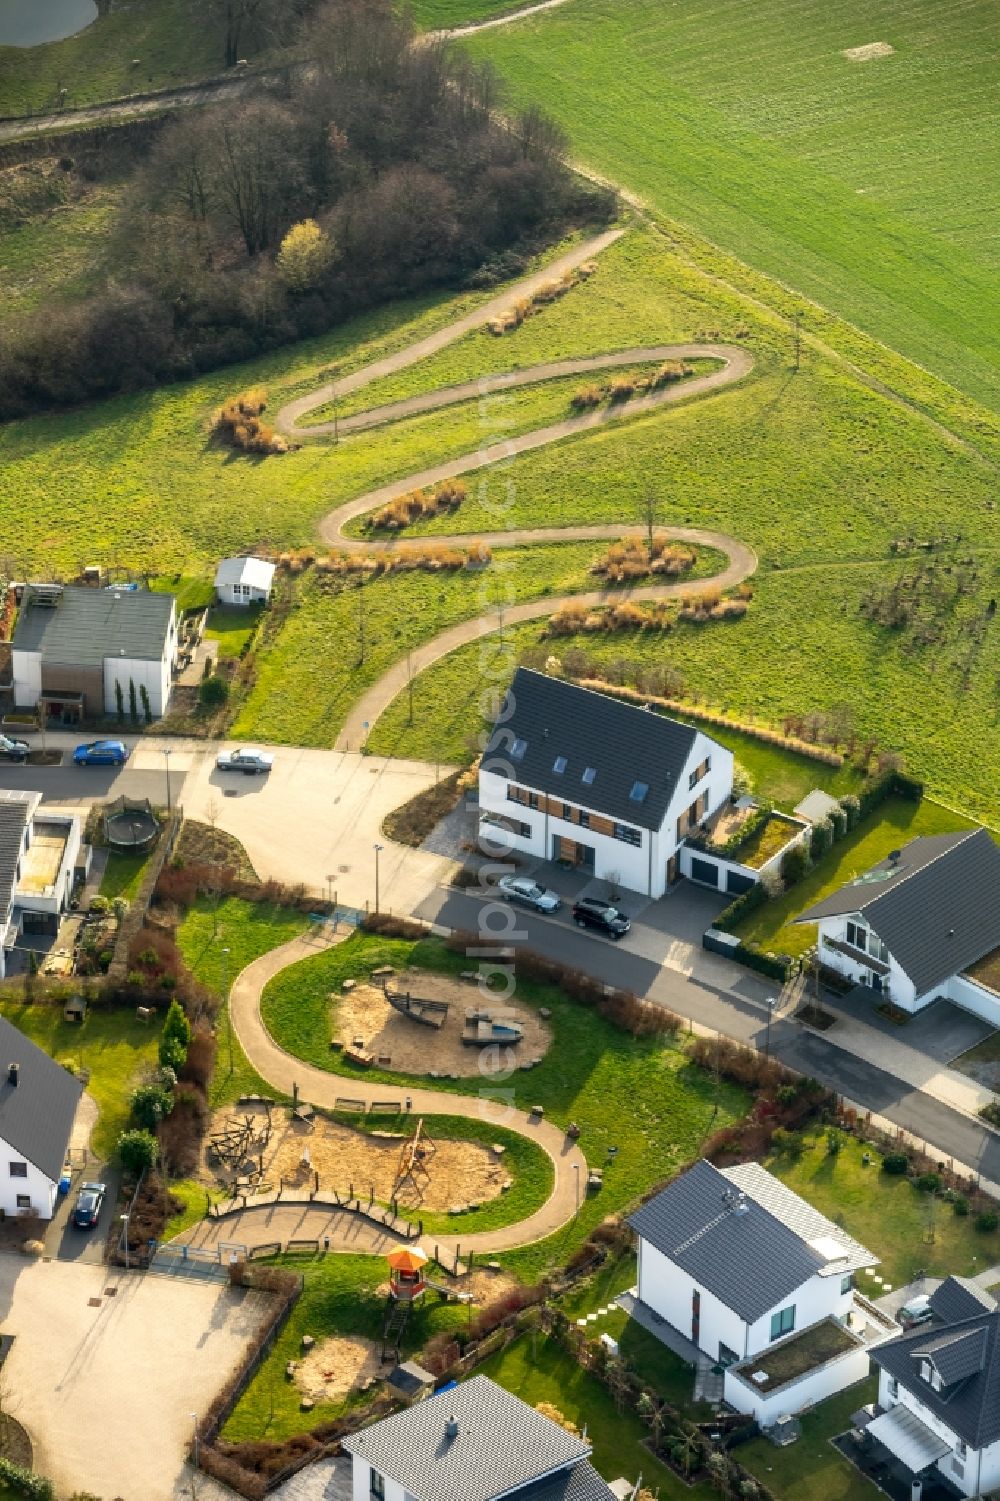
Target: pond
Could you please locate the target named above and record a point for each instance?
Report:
(27, 23)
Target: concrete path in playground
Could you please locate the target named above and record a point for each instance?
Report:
(315, 1085)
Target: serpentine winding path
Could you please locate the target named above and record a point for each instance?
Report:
(735, 363)
(283, 1071)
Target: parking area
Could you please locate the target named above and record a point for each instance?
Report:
(109, 1366)
(942, 1030)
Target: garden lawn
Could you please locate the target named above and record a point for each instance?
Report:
(232, 627)
(909, 1230)
(114, 1046)
(639, 1095)
(895, 823)
(341, 1297)
(123, 873)
(812, 1469)
(869, 186)
(538, 1370)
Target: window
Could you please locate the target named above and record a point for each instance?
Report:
(783, 1322)
(584, 818)
(377, 1486)
(857, 936)
(639, 792)
(24, 1201)
(559, 765)
(877, 948)
(960, 1448)
(925, 1370)
(589, 773)
(846, 1283)
(699, 772)
(893, 1389)
(19, 1170)
(627, 834)
(516, 794)
(532, 799)
(958, 1468)
(518, 749)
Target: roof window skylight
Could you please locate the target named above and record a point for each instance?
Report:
(589, 774)
(559, 765)
(518, 749)
(639, 791)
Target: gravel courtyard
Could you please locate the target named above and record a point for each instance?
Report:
(107, 1392)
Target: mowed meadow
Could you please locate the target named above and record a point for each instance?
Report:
(872, 187)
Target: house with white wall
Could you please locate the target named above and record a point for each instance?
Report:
(614, 789)
(939, 1392)
(38, 1102)
(474, 1442)
(73, 647)
(922, 924)
(244, 581)
(39, 850)
(740, 1266)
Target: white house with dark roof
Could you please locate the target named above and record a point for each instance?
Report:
(244, 581)
(741, 1267)
(922, 924)
(614, 789)
(73, 647)
(475, 1442)
(939, 1392)
(38, 855)
(38, 1102)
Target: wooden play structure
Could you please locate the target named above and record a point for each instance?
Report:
(482, 1029)
(407, 1283)
(412, 1170)
(416, 1008)
(239, 1145)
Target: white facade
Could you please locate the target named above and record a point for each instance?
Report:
(975, 1472)
(361, 1485)
(24, 1189)
(244, 581)
(670, 1291)
(43, 885)
(726, 873)
(638, 859)
(155, 676)
(896, 985)
(26, 667)
(844, 1370)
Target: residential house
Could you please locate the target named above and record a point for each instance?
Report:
(75, 647)
(939, 1392)
(923, 924)
(38, 1102)
(614, 789)
(476, 1442)
(243, 581)
(39, 850)
(740, 1267)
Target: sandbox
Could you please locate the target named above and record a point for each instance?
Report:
(363, 1015)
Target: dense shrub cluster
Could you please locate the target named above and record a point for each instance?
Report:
(547, 293)
(382, 169)
(24, 1482)
(239, 422)
(624, 387)
(635, 557)
(416, 505)
(426, 557)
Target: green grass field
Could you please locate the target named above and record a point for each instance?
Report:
(870, 187)
(147, 44)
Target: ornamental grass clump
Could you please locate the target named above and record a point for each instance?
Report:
(238, 422)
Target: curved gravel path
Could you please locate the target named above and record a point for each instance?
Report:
(348, 1232)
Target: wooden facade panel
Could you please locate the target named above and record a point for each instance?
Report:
(601, 825)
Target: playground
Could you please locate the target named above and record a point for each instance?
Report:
(283, 1149)
(433, 1039)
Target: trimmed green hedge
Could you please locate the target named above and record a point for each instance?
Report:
(25, 1482)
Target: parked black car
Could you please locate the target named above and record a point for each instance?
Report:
(89, 1202)
(591, 912)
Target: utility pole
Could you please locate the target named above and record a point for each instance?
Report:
(649, 506)
(409, 682)
(361, 619)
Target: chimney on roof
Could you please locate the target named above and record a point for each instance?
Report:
(451, 1427)
(13, 1071)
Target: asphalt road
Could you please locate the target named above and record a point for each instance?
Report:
(740, 1011)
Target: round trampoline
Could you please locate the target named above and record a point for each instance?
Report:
(130, 823)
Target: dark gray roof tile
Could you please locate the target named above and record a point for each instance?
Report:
(622, 744)
(15, 810)
(88, 625)
(36, 1113)
(935, 908)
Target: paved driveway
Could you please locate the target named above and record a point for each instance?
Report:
(107, 1391)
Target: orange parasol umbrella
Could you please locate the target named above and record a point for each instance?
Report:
(407, 1259)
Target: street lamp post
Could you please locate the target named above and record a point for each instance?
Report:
(767, 1034)
(576, 1169)
(194, 1447)
(378, 851)
(166, 757)
(125, 1232)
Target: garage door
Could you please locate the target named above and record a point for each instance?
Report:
(737, 883)
(704, 871)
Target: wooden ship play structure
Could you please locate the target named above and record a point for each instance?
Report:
(482, 1028)
(237, 1148)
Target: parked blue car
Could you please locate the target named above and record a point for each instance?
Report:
(101, 753)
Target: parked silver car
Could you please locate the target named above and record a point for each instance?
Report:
(14, 750)
(528, 893)
(246, 760)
